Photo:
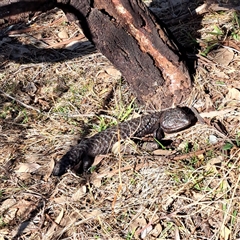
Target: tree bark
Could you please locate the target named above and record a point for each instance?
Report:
(127, 33)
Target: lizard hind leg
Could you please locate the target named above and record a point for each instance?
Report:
(85, 163)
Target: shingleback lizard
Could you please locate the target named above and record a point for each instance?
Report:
(171, 120)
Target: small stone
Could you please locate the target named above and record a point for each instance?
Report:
(213, 139)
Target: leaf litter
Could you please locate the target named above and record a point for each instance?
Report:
(52, 97)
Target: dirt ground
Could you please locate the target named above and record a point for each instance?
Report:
(57, 88)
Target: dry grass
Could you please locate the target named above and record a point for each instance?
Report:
(62, 95)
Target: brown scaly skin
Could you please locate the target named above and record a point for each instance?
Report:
(171, 120)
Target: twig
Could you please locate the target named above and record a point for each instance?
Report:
(142, 165)
(66, 42)
(204, 8)
(218, 113)
(20, 102)
(33, 28)
(196, 153)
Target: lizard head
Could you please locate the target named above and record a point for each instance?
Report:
(175, 119)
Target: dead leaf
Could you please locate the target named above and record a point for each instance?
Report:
(52, 229)
(162, 152)
(157, 230)
(93, 214)
(146, 231)
(31, 157)
(223, 56)
(96, 180)
(44, 104)
(213, 163)
(24, 176)
(10, 215)
(98, 159)
(221, 75)
(79, 193)
(138, 222)
(201, 157)
(27, 167)
(182, 145)
(31, 88)
(73, 45)
(69, 219)
(7, 204)
(127, 146)
(4, 232)
(60, 200)
(225, 232)
(59, 217)
(63, 34)
(113, 72)
(103, 75)
(198, 196)
(50, 169)
(22, 210)
(233, 94)
(213, 114)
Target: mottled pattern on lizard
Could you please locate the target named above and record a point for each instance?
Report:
(171, 120)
